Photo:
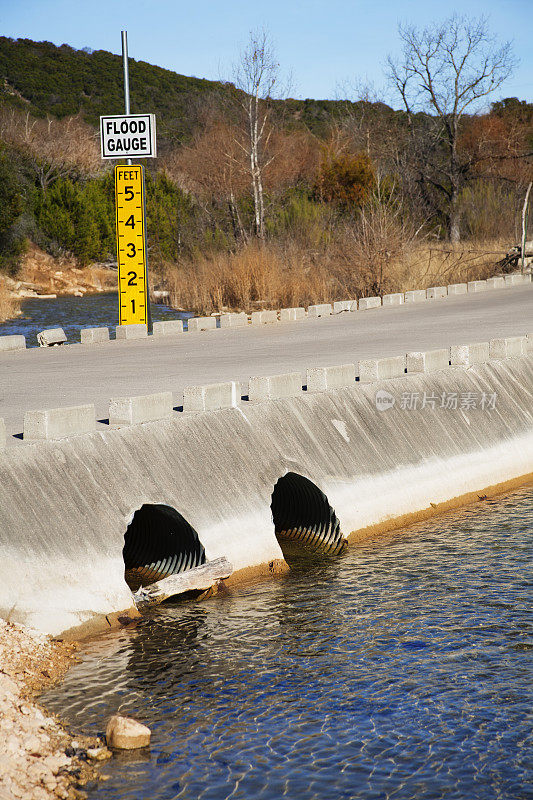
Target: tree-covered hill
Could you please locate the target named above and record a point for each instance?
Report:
(62, 81)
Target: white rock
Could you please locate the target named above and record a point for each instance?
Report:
(125, 733)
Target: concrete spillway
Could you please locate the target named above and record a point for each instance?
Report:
(66, 505)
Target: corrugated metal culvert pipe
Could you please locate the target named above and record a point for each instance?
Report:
(159, 542)
(302, 513)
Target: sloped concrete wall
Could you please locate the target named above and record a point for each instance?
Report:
(65, 505)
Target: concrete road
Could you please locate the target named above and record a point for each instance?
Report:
(43, 378)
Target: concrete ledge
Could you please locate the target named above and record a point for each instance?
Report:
(264, 317)
(436, 292)
(202, 323)
(291, 314)
(395, 299)
(465, 355)
(428, 361)
(14, 342)
(322, 379)
(145, 408)
(233, 320)
(496, 283)
(131, 331)
(57, 423)
(211, 397)
(2, 434)
(510, 347)
(344, 305)
(477, 286)
(273, 387)
(94, 335)
(168, 327)
(369, 302)
(321, 310)
(51, 337)
(457, 288)
(375, 369)
(415, 296)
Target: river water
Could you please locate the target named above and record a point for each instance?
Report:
(73, 313)
(401, 669)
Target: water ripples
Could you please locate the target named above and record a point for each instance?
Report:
(401, 669)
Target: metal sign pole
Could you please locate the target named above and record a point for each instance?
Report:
(126, 76)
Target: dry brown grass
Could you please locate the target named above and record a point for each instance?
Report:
(279, 276)
(439, 264)
(9, 305)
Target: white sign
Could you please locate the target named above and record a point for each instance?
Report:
(128, 136)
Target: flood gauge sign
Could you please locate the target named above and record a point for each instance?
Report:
(128, 136)
(131, 245)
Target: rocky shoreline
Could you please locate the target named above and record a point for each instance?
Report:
(39, 759)
(43, 276)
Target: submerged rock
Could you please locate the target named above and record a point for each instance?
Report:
(125, 733)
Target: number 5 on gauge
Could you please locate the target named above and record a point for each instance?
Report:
(131, 245)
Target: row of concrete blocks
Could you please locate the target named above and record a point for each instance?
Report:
(171, 327)
(56, 336)
(59, 423)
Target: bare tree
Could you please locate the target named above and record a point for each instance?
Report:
(54, 148)
(447, 71)
(255, 76)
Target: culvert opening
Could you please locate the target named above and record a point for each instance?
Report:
(303, 516)
(159, 542)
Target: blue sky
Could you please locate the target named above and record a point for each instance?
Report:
(323, 43)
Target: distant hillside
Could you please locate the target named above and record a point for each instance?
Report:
(62, 81)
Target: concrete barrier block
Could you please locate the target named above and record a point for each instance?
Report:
(464, 355)
(415, 296)
(436, 292)
(369, 302)
(395, 299)
(510, 347)
(233, 320)
(51, 337)
(211, 397)
(273, 387)
(320, 310)
(58, 423)
(477, 286)
(168, 327)
(202, 323)
(376, 369)
(2, 434)
(94, 335)
(496, 283)
(323, 379)
(517, 279)
(131, 331)
(427, 361)
(344, 305)
(14, 342)
(291, 314)
(264, 317)
(457, 288)
(144, 408)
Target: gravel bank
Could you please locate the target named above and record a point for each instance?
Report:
(38, 758)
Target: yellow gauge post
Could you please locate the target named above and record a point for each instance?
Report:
(131, 245)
